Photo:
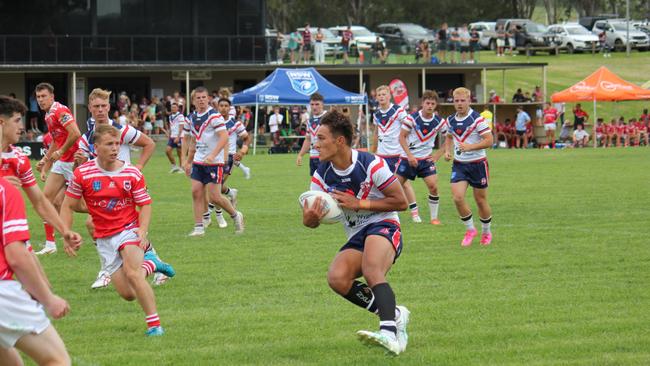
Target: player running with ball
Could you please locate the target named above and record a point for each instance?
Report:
(369, 196)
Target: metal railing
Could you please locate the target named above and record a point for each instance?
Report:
(142, 49)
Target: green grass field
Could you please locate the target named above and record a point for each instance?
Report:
(565, 282)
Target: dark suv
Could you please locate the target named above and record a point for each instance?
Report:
(530, 36)
(403, 37)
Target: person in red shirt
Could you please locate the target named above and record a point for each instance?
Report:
(632, 133)
(580, 117)
(621, 133)
(112, 189)
(65, 133)
(601, 132)
(25, 294)
(550, 123)
(306, 43)
(500, 133)
(612, 137)
(346, 37)
(642, 129)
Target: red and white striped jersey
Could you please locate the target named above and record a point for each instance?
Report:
(16, 164)
(14, 223)
(57, 119)
(111, 196)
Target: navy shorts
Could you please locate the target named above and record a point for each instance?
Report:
(313, 165)
(424, 169)
(207, 173)
(227, 169)
(172, 144)
(476, 173)
(389, 229)
(392, 162)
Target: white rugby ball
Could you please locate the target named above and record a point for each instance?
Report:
(333, 211)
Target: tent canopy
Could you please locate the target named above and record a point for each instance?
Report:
(602, 85)
(293, 87)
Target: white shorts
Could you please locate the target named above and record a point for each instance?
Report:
(109, 248)
(501, 42)
(511, 42)
(148, 126)
(549, 126)
(19, 314)
(63, 168)
(159, 123)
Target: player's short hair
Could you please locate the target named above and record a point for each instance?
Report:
(462, 92)
(9, 106)
(316, 97)
(339, 125)
(224, 100)
(383, 87)
(99, 93)
(44, 86)
(199, 89)
(430, 95)
(102, 129)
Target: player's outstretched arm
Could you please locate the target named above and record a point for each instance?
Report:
(148, 147)
(73, 135)
(23, 265)
(244, 147)
(303, 150)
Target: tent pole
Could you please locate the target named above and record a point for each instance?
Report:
(257, 112)
(593, 129)
(74, 94)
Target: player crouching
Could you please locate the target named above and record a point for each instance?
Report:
(365, 188)
(112, 189)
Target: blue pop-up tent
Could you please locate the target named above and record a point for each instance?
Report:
(294, 87)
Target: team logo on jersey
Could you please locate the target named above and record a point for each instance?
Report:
(65, 118)
(97, 185)
(303, 82)
(364, 188)
(127, 185)
(459, 131)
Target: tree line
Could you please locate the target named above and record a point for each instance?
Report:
(286, 15)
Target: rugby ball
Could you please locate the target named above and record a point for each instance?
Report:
(333, 212)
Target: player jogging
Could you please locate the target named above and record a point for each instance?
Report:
(112, 189)
(99, 106)
(206, 141)
(469, 135)
(316, 104)
(65, 133)
(369, 195)
(418, 137)
(176, 120)
(235, 130)
(388, 119)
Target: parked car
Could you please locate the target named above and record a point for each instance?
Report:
(531, 37)
(588, 22)
(331, 42)
(616, 32)
(362, 37)
(574, 37)
(403, 37)
(486, 30)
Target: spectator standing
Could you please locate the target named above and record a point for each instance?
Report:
(442, 43)
(550, 124)
(306, 44)
(501, 40)
(510, 36)
(604, 48)
(380, 50)
(426, 51)
(464, 39)
(454, 44)
(488, 116)
(33, 114)
(280, 50)
(319, 49)
(580, 117)
(474, 38)
(373, 104)
(275, 120)
(560, 111)
(346, 37)
(523, 119)
(295, 41)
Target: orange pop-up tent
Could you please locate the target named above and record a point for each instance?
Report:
(601, 86)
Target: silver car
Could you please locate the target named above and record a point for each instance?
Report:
(574, 37)
(616, 32)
